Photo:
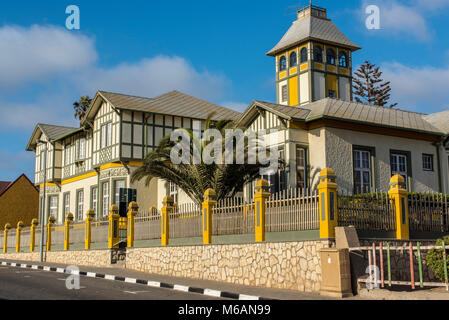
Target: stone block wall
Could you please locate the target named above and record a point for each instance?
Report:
(286, 265)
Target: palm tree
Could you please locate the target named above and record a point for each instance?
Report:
(81, 107)
(194, 179)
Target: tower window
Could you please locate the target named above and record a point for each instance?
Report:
(330, 56)
(317, 54)
(293, 59)
(282, 63)
(304, 57)
(284, 93)
(343, 60)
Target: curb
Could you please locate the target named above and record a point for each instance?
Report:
(154, 284)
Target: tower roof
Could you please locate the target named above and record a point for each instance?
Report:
(312, 24)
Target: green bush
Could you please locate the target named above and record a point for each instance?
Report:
(434, 259)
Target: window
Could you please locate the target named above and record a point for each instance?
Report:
(67, 155)
(174, 192)
(79, 205)
(53, 206)
(106, 135)
(362, 171)
(293, 59)
(105, 202)
(42, 160)
(301, 168)
(119, 184)
(317, 54)
(277, 180)
(284, 94)
(332, 94)
(427, 162)
(343, 60)
(197, 128)
(304, 57)
(282, 63)
(330, 56)
(81, 149)
(94, 197)
(66, 204)
(399, 166)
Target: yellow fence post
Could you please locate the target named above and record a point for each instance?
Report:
(5, 237)
(34, 224)
(328, 203)
(88, 229)
(113, 234)
(165, 220)
(210, 200)
(20, 226)
(67, 223)
(133, 210)
(399, 195)
(51, 222)
(260, 197)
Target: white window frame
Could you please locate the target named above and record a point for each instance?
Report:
(363, 168)
(79, 205)
(94, 196)
(430, 162)
(174, 192)
(66, 204)
(117, 190)
(53, 206)
(301, 167)
(105, 198)
(403, 173)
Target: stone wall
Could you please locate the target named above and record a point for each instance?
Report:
(287, 265)
(93, 258)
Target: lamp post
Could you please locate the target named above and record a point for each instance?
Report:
(42, 217)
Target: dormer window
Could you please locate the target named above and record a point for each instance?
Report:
(317, 54)
(81, 149)
(343, 60)
(330, 56)
(282, 63)
(304, 57)
(293, 59)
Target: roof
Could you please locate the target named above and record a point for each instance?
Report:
(439, 120)
(349, 111)
(50, 131)
(172, 103)
(6, 185)
(312, 28)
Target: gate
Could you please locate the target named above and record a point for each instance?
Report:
(123, 233)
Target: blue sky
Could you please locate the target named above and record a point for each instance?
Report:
(213, 50)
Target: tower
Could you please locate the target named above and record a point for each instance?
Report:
(313, 60)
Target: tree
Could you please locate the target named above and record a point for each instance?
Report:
(369, 87)
(194, 179)
(81, 107)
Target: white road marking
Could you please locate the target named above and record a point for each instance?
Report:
(212, 293)
(34, 267)
(246, 297)
(46, 268)
(91, 274)
(60, 270)
(181, 288)
(154, 284)
(130, 280)
(109, 277)
(135, 292)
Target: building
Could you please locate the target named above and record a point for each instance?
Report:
(86, 166)
(19, 201)
(319, 126)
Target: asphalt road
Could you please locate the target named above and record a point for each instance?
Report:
(25, 284)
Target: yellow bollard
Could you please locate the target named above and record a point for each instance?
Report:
(34, 224)
(261, 195)
(399, 195)
(165, 220)
(5, 238)
(113, 234)
(20, 226)
(132, 212)
(210, 200)
(88, 229)
(51, 222)
(328, 203)
(67, 223)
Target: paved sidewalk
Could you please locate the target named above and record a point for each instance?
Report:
(277, 294)
(405, 294)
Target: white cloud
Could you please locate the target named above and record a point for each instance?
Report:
(39, 52)
(432, 4)
(421, 88)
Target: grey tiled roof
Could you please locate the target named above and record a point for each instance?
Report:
(53, 132)
(173, 103)
(354, 112)
(312, 28)
(439, 120)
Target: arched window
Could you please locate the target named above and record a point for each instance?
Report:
(304, 57)
(282, 63)
(330, 56)
(317, 54)
(293, 59)
(343, 60)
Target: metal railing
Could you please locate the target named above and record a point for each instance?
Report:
(233, 216)
(185, 221)
(428, 212)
